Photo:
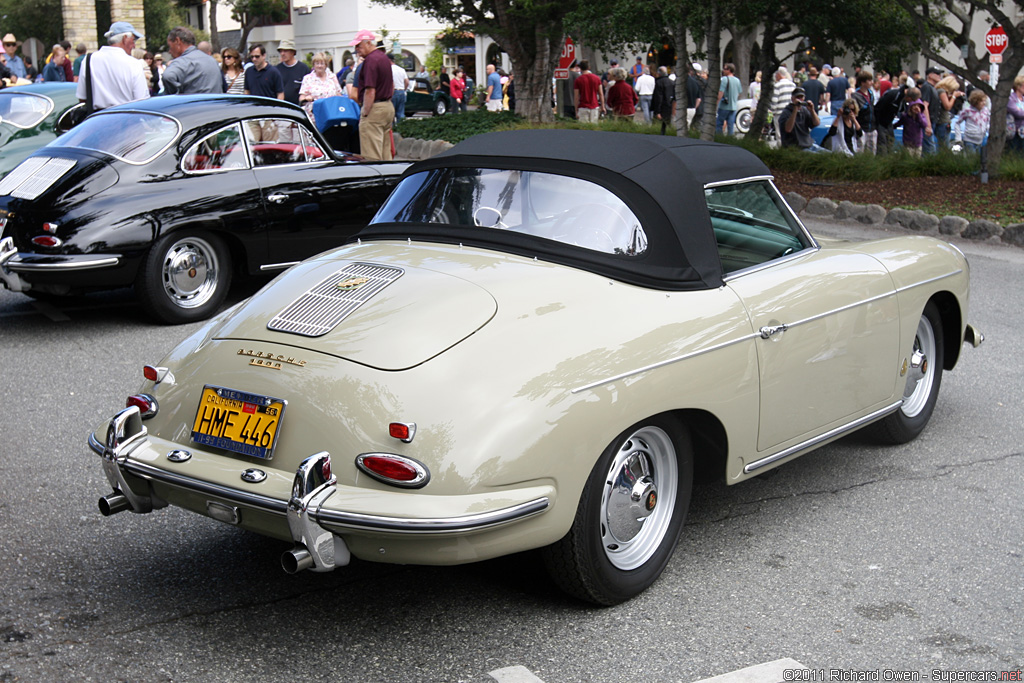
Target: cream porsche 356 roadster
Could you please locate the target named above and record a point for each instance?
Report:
(531, 346)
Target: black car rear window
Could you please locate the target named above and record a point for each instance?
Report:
(133, 137)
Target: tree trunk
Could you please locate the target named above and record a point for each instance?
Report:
(214, 33)
(710, 103)
(742, 43)
(678, 36)
(768, 63)
(243, 40)
(533, 65)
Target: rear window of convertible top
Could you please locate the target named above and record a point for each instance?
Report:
(133, 137)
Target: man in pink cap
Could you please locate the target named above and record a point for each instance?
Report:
(375, 86)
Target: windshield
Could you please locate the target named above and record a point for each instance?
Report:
(24, 110)
(134, 137)
(555, 207)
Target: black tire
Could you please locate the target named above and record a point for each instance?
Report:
(922, 388)
(599, 560)
(440, 107)
(184, 277)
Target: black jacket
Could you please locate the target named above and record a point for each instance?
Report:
(664, 96)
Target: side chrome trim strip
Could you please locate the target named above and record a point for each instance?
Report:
(18, 265)
(279, 266)
(663, 363)
(905, 288)
(832, 433)
(483, 520)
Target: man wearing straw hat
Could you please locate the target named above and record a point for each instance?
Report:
(14, 62)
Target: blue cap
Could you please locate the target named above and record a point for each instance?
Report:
(826, 66)
(119, 27)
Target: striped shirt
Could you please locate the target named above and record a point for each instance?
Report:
(782, 95)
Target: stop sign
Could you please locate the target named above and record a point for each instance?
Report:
(996, 40)
(565, 60)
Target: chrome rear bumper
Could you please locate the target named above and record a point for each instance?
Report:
(314, 528)
(12, 263)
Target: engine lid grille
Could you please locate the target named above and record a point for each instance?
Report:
(34, 176)
(321, 308)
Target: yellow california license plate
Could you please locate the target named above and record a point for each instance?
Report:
(238, 421)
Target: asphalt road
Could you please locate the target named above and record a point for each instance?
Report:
(856, 557)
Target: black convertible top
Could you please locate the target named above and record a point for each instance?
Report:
(661, 178)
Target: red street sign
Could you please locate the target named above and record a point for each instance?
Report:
(561, 74)
(996, 40)
(568, 54)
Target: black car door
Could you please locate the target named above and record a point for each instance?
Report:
(313, 201)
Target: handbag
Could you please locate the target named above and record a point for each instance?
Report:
(79, 114)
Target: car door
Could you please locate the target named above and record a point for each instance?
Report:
(313, 201)
(827, 320)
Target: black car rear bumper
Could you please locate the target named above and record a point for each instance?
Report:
(13, 263)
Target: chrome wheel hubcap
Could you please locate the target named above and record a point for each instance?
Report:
(639, 497)
(189, 272)
(921, 374)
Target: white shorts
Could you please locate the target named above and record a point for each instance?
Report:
(494, 105)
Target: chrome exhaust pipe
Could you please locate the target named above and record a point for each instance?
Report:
(113, 503)
(296, 559)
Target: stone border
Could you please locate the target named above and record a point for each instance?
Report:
(414, 149)
(915, 221)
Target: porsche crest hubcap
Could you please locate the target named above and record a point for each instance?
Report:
(189, 272)
(638, 497)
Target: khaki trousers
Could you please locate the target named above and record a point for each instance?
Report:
(374, 129)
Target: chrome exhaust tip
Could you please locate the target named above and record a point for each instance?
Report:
(296, 559)
(113, 503)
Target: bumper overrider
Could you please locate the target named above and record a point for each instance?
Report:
(12, 263)
(314, 521)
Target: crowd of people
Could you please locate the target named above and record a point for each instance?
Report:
(934, 111)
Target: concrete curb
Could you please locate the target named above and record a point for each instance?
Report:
(414, 149)
(913, 221)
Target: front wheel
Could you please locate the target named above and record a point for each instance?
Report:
(924, 375)
(629, 517)
(184, 277)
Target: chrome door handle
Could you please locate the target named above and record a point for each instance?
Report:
(277, 198)
(768, 330)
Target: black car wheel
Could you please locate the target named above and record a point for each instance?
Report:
(184, 277)
(440, 107)
(629, 517)
(924, 375)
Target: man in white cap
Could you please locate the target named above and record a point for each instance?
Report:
(375, 86)
(291, 70)
(116, 76)
(14, 62)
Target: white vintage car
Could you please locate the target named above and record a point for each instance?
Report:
(535, 341)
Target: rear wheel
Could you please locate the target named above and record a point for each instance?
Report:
(184, 277)
(924, 375)
(440, 107)
(629, 517)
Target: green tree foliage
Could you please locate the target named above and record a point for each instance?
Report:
(249, 13)
(948, 22)
(161, 17)
(40, 19)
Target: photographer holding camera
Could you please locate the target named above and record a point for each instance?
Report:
(845, 133)
(796, 121)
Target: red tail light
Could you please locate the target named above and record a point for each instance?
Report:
(146, 404)
(150, 373)
(46, 241)
(396, 470)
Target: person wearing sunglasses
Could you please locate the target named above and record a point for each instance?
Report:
(14, 63)
(234, 72)
(796, 121)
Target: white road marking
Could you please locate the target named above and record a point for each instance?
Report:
(769, 672)
(514, 674)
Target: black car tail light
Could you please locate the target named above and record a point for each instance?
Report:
(47, 241)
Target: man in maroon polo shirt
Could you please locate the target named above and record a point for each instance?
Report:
(587, 95)
(375, 86)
